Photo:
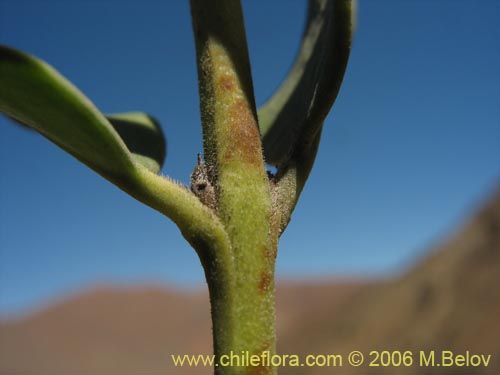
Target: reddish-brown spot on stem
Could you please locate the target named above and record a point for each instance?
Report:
(258, 370)
(245, 137)
(226, 83)
(265, 282)
(262, 368)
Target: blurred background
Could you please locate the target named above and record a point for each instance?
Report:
(395, 243)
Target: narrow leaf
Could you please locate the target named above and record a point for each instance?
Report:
(143, 136)
(295, 113)
(141, 133)
(33, 93)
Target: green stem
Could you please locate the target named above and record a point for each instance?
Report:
(291, 179)
(233, 153)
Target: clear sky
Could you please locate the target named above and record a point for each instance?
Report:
(411, 146)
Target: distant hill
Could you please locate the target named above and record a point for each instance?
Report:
(111, 330)
(449, 301)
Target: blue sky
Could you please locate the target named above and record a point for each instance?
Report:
(410, 148)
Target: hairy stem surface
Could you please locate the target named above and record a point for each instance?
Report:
(233, 153)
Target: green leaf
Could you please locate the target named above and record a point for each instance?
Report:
(295, 113)
(143, 136)
(141, 133)
(35, 94)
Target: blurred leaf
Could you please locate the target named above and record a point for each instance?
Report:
(143, 136)
(17, 122)
(295, 113)
(34, 94)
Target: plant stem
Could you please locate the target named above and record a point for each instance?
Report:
(233, 151)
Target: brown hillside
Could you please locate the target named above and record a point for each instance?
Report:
(450, 300)
(112, 331)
